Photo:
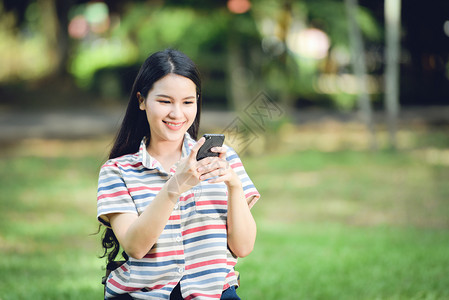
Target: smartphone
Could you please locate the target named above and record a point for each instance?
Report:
(212, 140)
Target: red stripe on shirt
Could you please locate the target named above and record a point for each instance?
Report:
(231, 263)
(142, 188)
(205, 263)
(175, 217)
(122, 287)
(119, 193)
(212, 202)
(238, 164)
(132, 165)
(203, 228)
(124, 165)
(161, 254)
(251, 194)
(194, 295)
(159, 286)
(185, 198)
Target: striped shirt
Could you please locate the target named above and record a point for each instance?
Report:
(192, 248)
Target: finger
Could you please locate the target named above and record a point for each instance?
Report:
(220, 150)
(214, 173)
(218, 179)
(210, 163)
(201, 165)
(195, 148)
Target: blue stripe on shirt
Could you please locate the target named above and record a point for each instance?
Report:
(143, 196)
(157, 263)
(112, 186)
(155, 273)
(204, 246)
(107, 179)
(204, 237)
(231, 157)
(207, 272)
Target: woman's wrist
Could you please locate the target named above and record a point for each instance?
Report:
(234, 182)
(173, 189)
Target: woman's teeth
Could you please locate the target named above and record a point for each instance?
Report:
(174, 124)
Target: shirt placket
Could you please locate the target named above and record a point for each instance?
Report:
(177, 237)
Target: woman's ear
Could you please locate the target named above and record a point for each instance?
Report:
(141, 101)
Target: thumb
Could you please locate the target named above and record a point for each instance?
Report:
(196, 147)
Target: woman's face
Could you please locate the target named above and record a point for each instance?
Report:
(171, 107)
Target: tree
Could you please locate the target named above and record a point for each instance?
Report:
(359, 66)
(392, 46)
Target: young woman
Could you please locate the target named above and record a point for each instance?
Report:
(182, 223)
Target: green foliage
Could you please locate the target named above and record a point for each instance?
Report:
(330, 15)
(204, 31)
(21, 56)
(105, 54)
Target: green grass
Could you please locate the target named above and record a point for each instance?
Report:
(336, 225)
(330, 261)
(47, 208)
(348, 225)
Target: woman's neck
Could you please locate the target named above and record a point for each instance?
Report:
(166, 152)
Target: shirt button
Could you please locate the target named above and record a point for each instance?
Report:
(178, 239)
(176, 206)
(180, 270)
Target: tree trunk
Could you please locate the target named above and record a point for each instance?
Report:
(54, 24)
(392, 47)
(359, 67)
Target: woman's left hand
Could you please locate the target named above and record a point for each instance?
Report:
(219, 168)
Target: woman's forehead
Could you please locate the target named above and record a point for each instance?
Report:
(171, 81)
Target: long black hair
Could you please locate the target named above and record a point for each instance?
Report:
(135, 125)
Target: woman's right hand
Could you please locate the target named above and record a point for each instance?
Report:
(186, 175)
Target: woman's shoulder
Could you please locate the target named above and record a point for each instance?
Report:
(124, 161)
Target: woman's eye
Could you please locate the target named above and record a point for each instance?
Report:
(164, 101)
(189, 102)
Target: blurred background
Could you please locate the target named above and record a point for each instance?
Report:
(338, 108)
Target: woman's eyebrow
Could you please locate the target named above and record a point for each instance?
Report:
(166, 96)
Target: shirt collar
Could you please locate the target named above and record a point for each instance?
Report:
(150, 162)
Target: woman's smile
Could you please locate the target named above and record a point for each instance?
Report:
(173, 125)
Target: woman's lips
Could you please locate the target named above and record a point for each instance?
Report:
(174, 125)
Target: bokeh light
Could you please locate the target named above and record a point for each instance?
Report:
(310, 43)
(239, 6)
(78, 27)
(446, 27)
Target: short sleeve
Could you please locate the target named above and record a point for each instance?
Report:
(250, 191)
(112, 194)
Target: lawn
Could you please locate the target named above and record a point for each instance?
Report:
(340, 224)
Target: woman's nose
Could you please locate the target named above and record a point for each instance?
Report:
(176, 111)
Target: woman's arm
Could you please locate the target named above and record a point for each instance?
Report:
(241, 225)
(138, 234)
(242, 228)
